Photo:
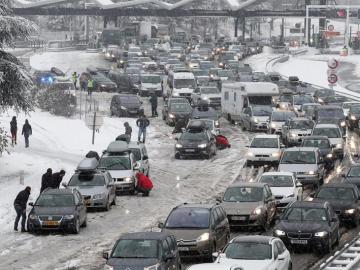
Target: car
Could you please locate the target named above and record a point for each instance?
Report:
(258, 76)
(169, 63)
(57, 210)
(346, 106)
(333, 132)
(352, 175)
(309, 224)
(148, 63)
(353, 116)
(123, 82)
(227, 75)
(264, 149)
(112, 53)
(126, 105)
(324, 145)
(330, 114)
(121, 163)
(195, 142)
(194, 64)
(96, 187)
(177, 111)
(200, 229)
(101, 82)
(299, 100)
(206, 94)
(200, 73)
(254, 252)
(306, 163)
(141, 156)
(278, 119)
(249, 204)
(344, 199)
(168, 102)
(295, 129)
(284, 187)
(319, 94)
(284, 101)
(334, 100)
(150, 84)
(212, 125)
(206, 65)
(255, 118)
(308, 110)
(204, 111)
(144, 250)
(213, 74)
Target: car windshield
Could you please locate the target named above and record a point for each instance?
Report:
(200, 72)
(277, 180)
(300, 100)
(243, 194)
(339, 193)
(281, 116)
(136, 248)
(265, 143)
(136, 153)
(330, 113)
(355, 109)
(150, 79)
(298, 157)
(324, 93)
(55, 200)
(129, 100)
(210, 90)
(184, 83)
(248, 251)
(189, 217)
(180, 107)
(193, 136)
(173, 61)
(306, 124)
(354, 172)
(116, 163)
(305, 214)
(206, 65)
(317, 143)
(87, 179)
(209, 124)
(261, 111)
(285, 98)
(347, 105)
(329, 132)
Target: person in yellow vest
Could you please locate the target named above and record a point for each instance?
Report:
(74, 78)
(90, 86)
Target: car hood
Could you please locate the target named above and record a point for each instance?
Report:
(131, 263)
(261, 118)
(183, 90)
(335, 141)
(297, 167)
(121, 173)
(263, 151)
(131, 105)
(282, 191)
(240, 208)
(90, 190)
(180, 114)
(336, 203)
(303, 226)
(151, 85)
(186, 234)
(39, 210)
(191, 143)
(246, 264)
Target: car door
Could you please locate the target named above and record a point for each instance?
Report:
(110, 184)
(223, 226)
(270, 202)
(283, 259)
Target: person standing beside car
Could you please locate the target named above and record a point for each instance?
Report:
(144, 184)
(154, 103)
(13, 130)
(142, 123)
(90, 86)
(26, 131)
(20, 208)
(46, 180)
(128, 131)
(57, 178)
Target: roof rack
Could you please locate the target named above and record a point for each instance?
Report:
(118, 146)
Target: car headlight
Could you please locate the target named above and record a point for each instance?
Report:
(321, 234)
(273, 125)
(311, 172)
(256, 211)
(171, 115)
(123, 108)
(152, 267)
(276, 154)
(250, 154)
(342, 124)
(283, 106)
(279, 232)
(203, 145)
(203, 237)
(103, 85)
(291, 195)
(99, 196)
(33, 216)
(221, 64)
(121, 61)
(68, 216)
(139, 54)
(108, 54)
(353, 117)
(256, 120)
(339, 145)
(212, 75)
(113, 55)
(204, 98)
(178, 145)
(108, 267)
(127, 179)
(350, 211)
(176, 94)
(320, 100)
(293, 135)
(329, 155)
(216, 123)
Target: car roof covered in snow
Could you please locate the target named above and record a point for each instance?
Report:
(248, 184)
(278, 173)
(326, 126)
(145, 235)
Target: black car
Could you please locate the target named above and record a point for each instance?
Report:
(353, 117)
(144, 250)
(331, 114)
(125, 105)
(334, 100)
(309, 224)
(344, 199)
(325, 149)
(176, 111)
(57, 209)
(101, 82)
(195, 142)
(321, 93)
(123, 82)
(352, 175)
(204, 112)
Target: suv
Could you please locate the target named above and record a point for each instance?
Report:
(144, 250)
(333, 132)
(200, 229)
(353, 116)
(208, 94)
(295, 130)
(140, 153)
(305, 162)
(264, 149)
(57, 209)
(126, 105)
(97, 188)
(121, 163)
(249, 204)
(150, 84)
(309, 224)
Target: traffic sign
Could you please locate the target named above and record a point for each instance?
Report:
(333, 63)
(331, 27)
(331, 71)
(332, 78)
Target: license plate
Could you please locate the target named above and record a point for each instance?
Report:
(261, 159)
(50, 223)
(183, 249)
(189, 150)
(133, 111)
(238, 218)
(298, 241)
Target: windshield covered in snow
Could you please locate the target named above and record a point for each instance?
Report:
(55, 200)
(330, 113)
(346, 194)
(306, 124)
(243, 194)
(281, 116)
(150, 79)
(317, 143)
(300, 100)
(136, 248)
(190, 217)
(305, 214)
(261, 111)
(116, 163)
(298, 157)
(277, 180)
(329, 132)
(193, 136)
(248, 251)
(264, 143)
(87, 179)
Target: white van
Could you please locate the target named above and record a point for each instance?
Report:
(183, 84)
(150, 83)
(239, 95)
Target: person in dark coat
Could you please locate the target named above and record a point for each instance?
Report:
(46, 180)
(154, 103)
(20, 208)
(57, 178)
(128, 131)
(179, 125)
(142, 123)
(144, 184)
(26, 131)
(93, 154)
(13, 130)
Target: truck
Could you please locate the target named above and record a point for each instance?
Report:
(239, 95)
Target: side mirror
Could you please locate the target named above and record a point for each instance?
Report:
(145, 157)
(218, 199)
(31, 204)
(298, 184)
(183, 130)
(312, 194)
(281, 257)
(215, 255)
(105, 255)
(136, 167)
(161, 225)
(64, 185)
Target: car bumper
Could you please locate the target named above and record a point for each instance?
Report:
(194, 249)
(260, 126)
(124, 187)
(191, 151)
(246, 220)
(34, 225)
(99, 203)
(263, 160)
(309, 242)
(307, 179)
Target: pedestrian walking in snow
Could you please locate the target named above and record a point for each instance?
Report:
(74, 78)
(13, 130)
(142, 123)
(20, 208)
(26, 131)
(57, 178)
(154, 103)
(128, 131)
(46, 180)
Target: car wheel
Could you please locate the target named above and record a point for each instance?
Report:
(85, 222)
(113, 201)
(290, 266)
(76, 228)
(107, 207)
(177, 156)
(355, 222)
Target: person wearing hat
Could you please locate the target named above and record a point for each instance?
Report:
(57, 178)
(20, 208)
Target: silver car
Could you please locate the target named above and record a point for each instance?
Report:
(294, 130)
(141, 156)
(255, 118)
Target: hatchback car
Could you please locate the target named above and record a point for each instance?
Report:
(294, 130)
(168, 102)
(126, 106)
(57, 210)
(309, 224)
(255, 118)
(177, 111)
(264, 149)
(144, 250)
(333, 132)
(249, 204)
(200, 229)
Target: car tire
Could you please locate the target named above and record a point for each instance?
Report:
(177, 156)
(355, 222)
(290, 266)
(76, 228)
(108, 206)
(114, 201)
(85, 222)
